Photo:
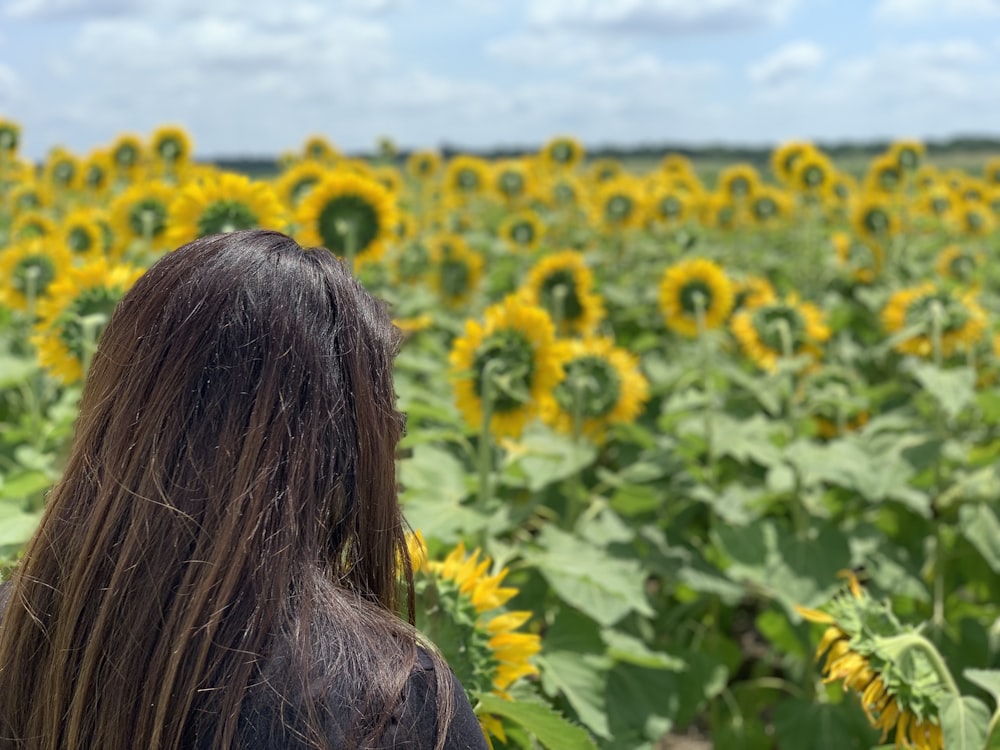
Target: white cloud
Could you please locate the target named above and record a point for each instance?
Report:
(912, 11)
(788, 63)
(554, 47)
(660, 16)
(41, 9)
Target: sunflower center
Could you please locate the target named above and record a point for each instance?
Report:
(344, 215)
(32, 228)
(468, 180)
(694, 293)
(962, 267)
(560, 297)
(739, 185)
(98, 301)
(522, 232)
(670, 207)
(876, 221)
(79, 240)
(63, 172)
(147, 218)
(8, 139)
(225, 216)
(921, 312)
(169, 149)
(28, 201)
(940, 205)
(888, 178)
(974, 221)
(126, 155)
(34, 272)
(591, 387)
(618, 207)
(813, 176)
(511, 184)
(95, 177)
(562, 152)
(908, 158)
(563, 193)
(765, 207)
(507, 358)
(773, 321)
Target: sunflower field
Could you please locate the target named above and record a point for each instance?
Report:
(688, 459)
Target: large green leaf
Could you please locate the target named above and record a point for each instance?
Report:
(545, 457)
(818, 726)
(551, 729)
(953, 389)
(580, 679)
(979, 524)
(641, 705)
(963, 721)
(987, 679)
(16, 526)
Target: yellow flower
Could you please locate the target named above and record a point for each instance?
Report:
(780, 328)
(562, 153)
(720, 211)
(466, 177)
(10, 137)
(676, 165)
(959, 263)
(563, 285)
(28, 195)
(617, 203)
(562, 190)
(512, 358)
(423, 165)
(739, 181)
(32, 224)
(456, 269)
(769, 206)
(752, 291)
(294, 183)
(27, 270)
(884, 175)
(171, 147)
(813, 173)
(76, 309)
(511, 181)
(142, 213)
(785, 157)
(691, 285)
(350, 215)
(62, 169)
(82, 234)
(225, 202)
(602, 386)
(522, 230)
(907, 154)
(97, 173)
(864, 261)
(918, 310)
(318, 148)
(974, 218)
(874, 219)
(605, 170)
(127, 155)
(669, 204)
(479, 640)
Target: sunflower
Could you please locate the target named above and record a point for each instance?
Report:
(874, 219)
(513, 359)
(676, 165)
(456, 268)
(318, 148)
(907, 154)
(142, 213)
(563, 285)
(739, 181)
(960, 263)
(295, 182)
(857, 629)
(668, 205)
(97, 173)
(617, 204)
(461, 610)
(511, 181)
(603, 386)
(843, 188)
(913, 314)
(974, 218)
(10, 137)
(522, 230)
(32, 224)
(28, 195)
(73, 314)
(752, 291)
(783, 327)
(605, 170)
(350, 215)
(884, 175)
(813, 173)
(171, 148)
(423, 165)
(82, 234)
(720, 211)
(223, 203)
(785, 157)
(27, 270)
(466, 177)
(563, 152)
(127, 155)
(62, 169)
(562, 190)
(695, 294)
(991, 170)
(939, 201)
(769, 206)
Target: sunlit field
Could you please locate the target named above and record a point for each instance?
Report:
(692, 450)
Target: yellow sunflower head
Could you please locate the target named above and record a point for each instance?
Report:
(522, 231)
(97, 173)
(960, 263)
(603, 385)
(223, 202)
(562, 190)
(75, 311)
(350, 215)
(423, 165)
(785, 157)
(884, 175)
(563, 285)
(508, 363)
(862, 260)
(27, 271)
(127, 155)
(938, 201)
(769, 206)
(511, 181)
(874, 218)
(466, 177)
(926, 317)
(563, 152)
(813, 173)
(10, 137)
(456, 268)
(142, 214)
(171, 147)
(62, 170)
(460, 609)
(669, 205)
(604, 170)
(991, 170)
(82, 234)
(779, 329)
(864, 646)
(695, 296)
(908, 154)
(318, 148)
(974, 218)
(28, 195)
(739, 181)
(720, 211)
(293, 184)
(31, 224)
(676, 165)
(752, 291)
(618, 203)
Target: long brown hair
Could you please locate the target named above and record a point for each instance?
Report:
(224, 551)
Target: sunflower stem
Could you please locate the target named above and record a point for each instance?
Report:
(577, 493)
(895, 646)
(559, 294)
(486, 438)
(35, 383)
(91, 326)
(347, 229)
(706, 377)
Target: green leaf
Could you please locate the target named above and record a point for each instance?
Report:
(745, 440)
(818, 726)
(630, 650)
(987, 679)
(581, 681)
(546, 457)
(551, 729)
(953, 389)
(16, 526)
(15, 370)
(963, 721)
(979, 524)
(641, 705)
(24, 484)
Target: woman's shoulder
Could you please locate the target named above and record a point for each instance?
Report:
(414, 723)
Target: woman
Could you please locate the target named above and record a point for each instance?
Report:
(219, 566)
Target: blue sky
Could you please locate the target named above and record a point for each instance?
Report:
(254, 77)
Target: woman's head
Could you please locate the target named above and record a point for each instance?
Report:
(233, 456)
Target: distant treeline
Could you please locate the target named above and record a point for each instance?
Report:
(757, 155)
